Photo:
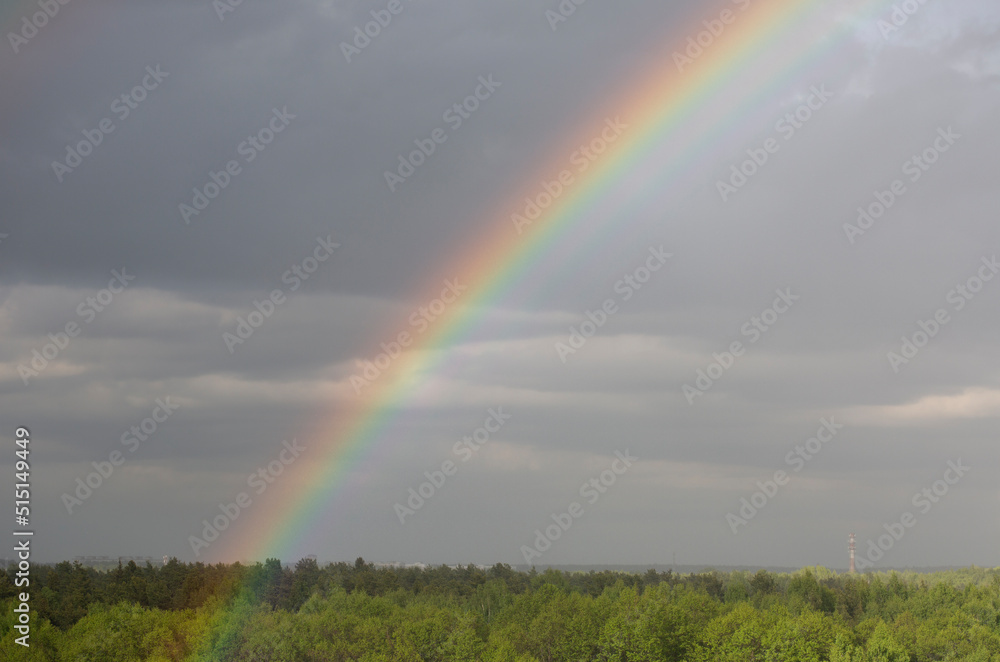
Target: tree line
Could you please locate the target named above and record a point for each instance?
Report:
(360, 611)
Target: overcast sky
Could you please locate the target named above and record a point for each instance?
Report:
(816, 307)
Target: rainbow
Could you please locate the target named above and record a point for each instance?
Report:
(678, 119)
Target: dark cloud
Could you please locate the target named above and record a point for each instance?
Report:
(321, 178)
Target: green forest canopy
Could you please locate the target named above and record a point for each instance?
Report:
(363, 612)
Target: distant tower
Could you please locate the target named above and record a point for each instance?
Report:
(850, 546)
